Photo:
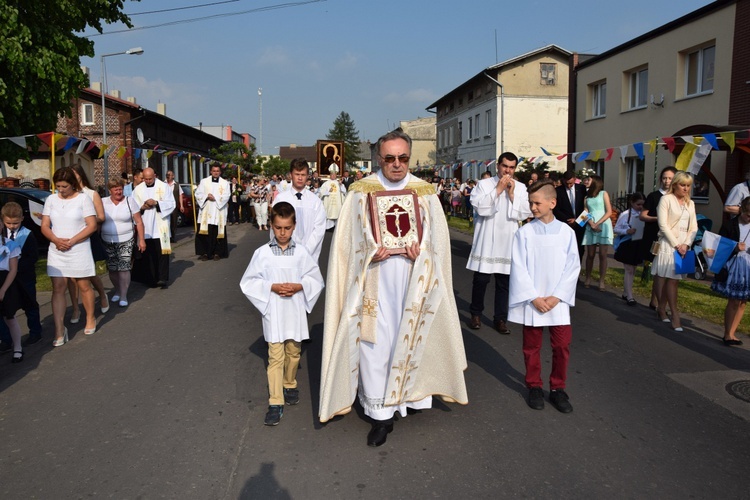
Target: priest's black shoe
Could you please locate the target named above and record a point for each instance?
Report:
(379, 433)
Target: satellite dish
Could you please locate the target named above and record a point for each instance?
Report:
(139, 135)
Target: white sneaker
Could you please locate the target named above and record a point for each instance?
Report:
(123, 303)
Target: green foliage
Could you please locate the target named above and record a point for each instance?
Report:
(525, 169)
(236, 153)
(345, 130)
(275, 165)
(40, 62)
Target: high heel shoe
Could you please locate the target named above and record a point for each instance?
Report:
(89, 331)
(75, 320)
(17, 357)
(105, 309)
(62, 341)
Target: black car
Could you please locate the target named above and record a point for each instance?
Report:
(32, 212)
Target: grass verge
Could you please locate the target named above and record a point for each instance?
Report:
(44, 283)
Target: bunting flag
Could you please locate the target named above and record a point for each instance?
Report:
(597, 154)
(711, 138)
(121, 152)
(638, 146)
(90, 146)
(669, 141)
(688, 139)
(699, 157)
(610, 152)
(562, 157)
(583, 156)
(728, 138)
(69, 143)
(652, 146)
(547, 153)
(687, 154)
(149, 152)
(623, 152)
(137, 154)
(102, 149)
(19, 141)
(82, 146)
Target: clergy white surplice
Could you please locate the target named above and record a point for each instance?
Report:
(496, 222)
(213, 212)
(155, 223)
(284, 318)
(332, 193)
(545, 263)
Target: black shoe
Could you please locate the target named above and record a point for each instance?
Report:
(502, 327)
(731, 342)
(559, 400)
(632, 302)
(291, 396)
(476, 322)
(273, 417)
(536, 398)
(163, 284)
(412, 411)
(17, 357)
(5, 346)
(379, 432)
(32, 339)
(203, 257)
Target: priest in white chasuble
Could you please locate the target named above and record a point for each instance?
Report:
(156, 203)
(332, 193)
(391, 331)
(212, 197)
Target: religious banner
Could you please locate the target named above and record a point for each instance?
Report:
(330, 156)
(396, 222)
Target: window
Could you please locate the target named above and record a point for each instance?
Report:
(87, 114)
(597, 167)
(460, 133)
(549, 71)
(638, 87)
(699, 71)
(701, 182)
(598, 99)
(477, 129)
(488, 123)
(634, 175)
(471, 129)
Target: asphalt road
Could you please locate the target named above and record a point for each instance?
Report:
(167, 400)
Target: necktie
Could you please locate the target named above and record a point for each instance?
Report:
(572, 198)
(298, 195)
(12, 235)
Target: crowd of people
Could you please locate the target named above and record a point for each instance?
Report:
(392, 337)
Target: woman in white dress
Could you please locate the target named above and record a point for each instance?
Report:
(68, 220)
(677, 230)
(97, 248)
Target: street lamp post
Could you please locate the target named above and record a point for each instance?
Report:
(135, 51)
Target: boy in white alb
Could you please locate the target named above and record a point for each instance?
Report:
(283, 281)
(543, 275)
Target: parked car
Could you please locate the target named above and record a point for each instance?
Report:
(185, 218)
(32, 203)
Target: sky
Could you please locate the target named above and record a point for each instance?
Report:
(381, 61)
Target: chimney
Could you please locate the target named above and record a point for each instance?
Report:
(131, 100)
(96, 86)
(115, 93)
(292, 146)
(161, 108)
(86, 71)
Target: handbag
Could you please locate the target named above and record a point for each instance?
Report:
(686, 264)
(655, 247)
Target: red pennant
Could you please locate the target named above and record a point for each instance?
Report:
(610, 151)
(669, 141)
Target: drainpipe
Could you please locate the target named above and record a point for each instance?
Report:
(502, 112)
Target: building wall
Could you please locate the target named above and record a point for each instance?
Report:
(422, 132)
(621, 126)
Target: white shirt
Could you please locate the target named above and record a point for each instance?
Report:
(311, 219)
(118, 219)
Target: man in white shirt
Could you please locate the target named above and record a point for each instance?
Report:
(212, 197)
(309, 210)
(501, 204)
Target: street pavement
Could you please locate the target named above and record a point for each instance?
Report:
(167, 400)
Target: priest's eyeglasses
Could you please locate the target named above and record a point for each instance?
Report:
(388, 159)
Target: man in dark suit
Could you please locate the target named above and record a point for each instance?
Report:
(567, 212)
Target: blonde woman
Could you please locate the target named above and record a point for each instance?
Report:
(677, 229)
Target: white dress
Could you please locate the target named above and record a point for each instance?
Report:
(67, 218)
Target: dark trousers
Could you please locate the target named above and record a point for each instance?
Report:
(152, 267)
(31, 309)
(234, 212)
(479, 288)
(210, 244)
(560, 336)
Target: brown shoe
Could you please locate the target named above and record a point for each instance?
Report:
(204, 257)
(501, 327)
(216, 257)
(475, 323)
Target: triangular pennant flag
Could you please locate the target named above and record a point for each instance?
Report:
(584, 155)
(711, 138)
(82, 146)
(574, 157)
(652, 146)
(121, 152)
(19, 141)
(102, 149)
(90, 146)
(128, 152)
(728, 138)
(638, 146)
(699, 158)
(623, 152)
(149, 152)
(46, 137)
(686, 156)
(669, 141)
(547, 152)
(69, 143)
(689, 139)
(562, 157)
(137, 154)
(597, 154)
(610, 152)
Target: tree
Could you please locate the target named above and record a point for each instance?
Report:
(344, 130)
(40, 55)
(236, 153)
(275, 165)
